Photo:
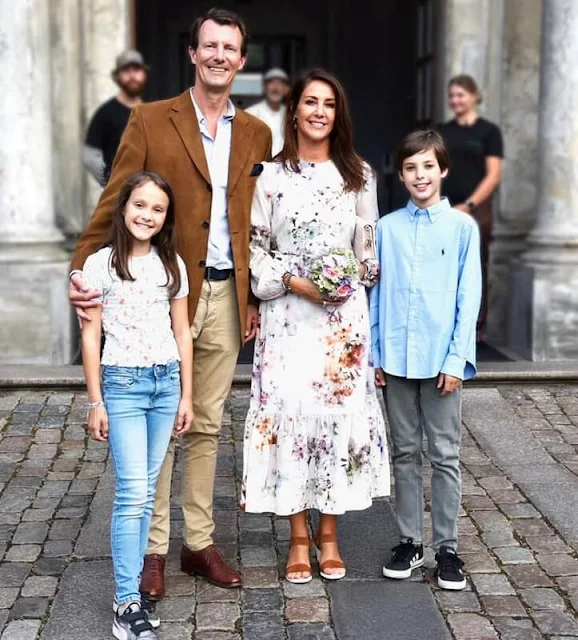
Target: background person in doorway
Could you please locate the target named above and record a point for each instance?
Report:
(272, 109)
(476, 151)
(110, 120)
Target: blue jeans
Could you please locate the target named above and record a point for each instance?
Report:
(141, 403)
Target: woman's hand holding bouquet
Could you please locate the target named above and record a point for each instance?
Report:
(334, 278)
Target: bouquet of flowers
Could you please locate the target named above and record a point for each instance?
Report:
(336, 274)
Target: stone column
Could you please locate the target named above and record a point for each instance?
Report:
(515, 204)
(544, 318)
(34, 320)
(107, 31)
(67, 115)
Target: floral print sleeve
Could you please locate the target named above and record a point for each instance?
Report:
(266, 269)
(364, 242)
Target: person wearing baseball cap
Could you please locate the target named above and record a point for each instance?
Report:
(272, 109)
(108, 123)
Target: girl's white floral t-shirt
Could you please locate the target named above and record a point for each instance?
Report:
(136, 317)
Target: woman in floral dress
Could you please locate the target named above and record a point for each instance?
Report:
(315, 436)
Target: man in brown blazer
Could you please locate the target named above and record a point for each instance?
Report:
(206, 149)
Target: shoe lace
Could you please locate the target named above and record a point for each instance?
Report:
(404, 552)
(449, 562)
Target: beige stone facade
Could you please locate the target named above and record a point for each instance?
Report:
(55, 64)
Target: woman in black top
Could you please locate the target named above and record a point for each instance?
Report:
(476, 151)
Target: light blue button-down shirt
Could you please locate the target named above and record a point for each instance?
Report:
(424, 308)
(217, 152)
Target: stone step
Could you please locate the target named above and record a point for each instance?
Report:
(489, 373)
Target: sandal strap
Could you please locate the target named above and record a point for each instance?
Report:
(331, 564)
(298, 568)
(326, 537)
(300, 541)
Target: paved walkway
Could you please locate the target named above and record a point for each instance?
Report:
(519, 531)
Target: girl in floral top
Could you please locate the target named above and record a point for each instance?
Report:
(315, 436)
(144, 318)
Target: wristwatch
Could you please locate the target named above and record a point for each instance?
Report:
(470, 205)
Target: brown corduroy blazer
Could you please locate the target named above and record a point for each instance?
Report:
(164, 137)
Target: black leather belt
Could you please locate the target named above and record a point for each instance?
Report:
(217, 274)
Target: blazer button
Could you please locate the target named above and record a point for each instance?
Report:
(202, 263)
(209, 188)
(206, 224)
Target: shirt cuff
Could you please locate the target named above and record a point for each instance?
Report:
(454, 366)
(375, 358)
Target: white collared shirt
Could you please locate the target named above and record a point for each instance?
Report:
(217, 153)
(275, 120)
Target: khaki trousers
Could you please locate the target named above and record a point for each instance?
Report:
(216, 344)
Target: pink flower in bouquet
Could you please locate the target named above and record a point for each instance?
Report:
(330, 273)
(345, 290)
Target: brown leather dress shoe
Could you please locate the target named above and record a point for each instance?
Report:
(152, 581)
(209, 564)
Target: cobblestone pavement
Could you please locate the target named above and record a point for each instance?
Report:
(518, 536)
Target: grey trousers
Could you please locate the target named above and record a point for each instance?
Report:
(415, 407)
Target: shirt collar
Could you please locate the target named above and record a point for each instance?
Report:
(228, 115)
(433, 212)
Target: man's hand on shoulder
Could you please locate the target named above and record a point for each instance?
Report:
(81, 297)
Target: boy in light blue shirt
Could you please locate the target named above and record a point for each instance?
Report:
(423, 314)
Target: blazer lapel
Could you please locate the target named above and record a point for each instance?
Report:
(185, 120)
(241, 137)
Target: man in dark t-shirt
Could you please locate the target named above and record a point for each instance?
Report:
(109, 121)
(469, 146)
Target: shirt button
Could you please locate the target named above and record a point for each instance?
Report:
(209, 188)
(206, 224)
(202, 263)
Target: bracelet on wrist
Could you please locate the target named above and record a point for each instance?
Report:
(286, 281)
(96, 405)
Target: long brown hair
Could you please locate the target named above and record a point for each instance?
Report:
(121, 240)
(341, 149)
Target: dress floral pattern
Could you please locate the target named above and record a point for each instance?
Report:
(315, 435)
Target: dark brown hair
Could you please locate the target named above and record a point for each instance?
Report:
(342, 152)
(222, 17)
(419, 141)
(467, 83)
(165, 240)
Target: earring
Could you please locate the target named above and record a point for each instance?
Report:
(295, 123)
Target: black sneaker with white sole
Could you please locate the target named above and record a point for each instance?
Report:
(405, 557)
(449, 570)
(133, 624)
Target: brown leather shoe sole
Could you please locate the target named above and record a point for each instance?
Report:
(222, 585)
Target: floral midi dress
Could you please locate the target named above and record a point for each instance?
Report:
(315, 435)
